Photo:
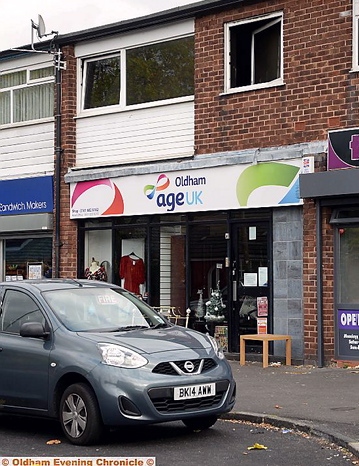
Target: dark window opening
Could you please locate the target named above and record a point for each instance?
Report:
(255, 52)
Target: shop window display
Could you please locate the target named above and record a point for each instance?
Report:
(96, 271)
(132, 266)
(98, 254)
(22, 252)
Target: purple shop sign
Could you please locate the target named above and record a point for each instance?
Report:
(343, 149)
(348, 319)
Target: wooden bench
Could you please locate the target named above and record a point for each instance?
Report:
(265, 338)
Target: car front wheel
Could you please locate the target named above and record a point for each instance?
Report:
(80, 416)
(200, 423)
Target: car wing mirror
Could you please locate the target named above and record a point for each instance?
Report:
(34, 330)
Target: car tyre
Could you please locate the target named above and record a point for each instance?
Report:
(80, 416)
(200, 423)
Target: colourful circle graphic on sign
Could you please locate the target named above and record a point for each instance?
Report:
(268, 174)
(162, 183)
(115, 204)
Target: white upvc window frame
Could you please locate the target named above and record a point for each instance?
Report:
(29, 82)
(276, 17)
(85, 63)
(122, 105)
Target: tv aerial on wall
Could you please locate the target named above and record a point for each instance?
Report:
(40, 29)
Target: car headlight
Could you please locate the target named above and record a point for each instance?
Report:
(119, 356)
(216, 347)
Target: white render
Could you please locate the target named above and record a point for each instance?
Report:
(27, 150)
(143, 135)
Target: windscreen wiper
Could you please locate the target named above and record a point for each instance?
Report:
(128, 328)
(159, 325)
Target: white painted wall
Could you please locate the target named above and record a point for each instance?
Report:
(27, 150)
(143, 135)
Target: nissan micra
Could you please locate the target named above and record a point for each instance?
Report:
(93, 355)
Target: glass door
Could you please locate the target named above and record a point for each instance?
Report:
(347, 292)
(207, 246)
(250, 280)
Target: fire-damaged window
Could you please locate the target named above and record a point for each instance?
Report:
(255, 53)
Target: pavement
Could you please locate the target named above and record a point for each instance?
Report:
(320, 401)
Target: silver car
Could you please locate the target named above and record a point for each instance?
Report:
(93, 356)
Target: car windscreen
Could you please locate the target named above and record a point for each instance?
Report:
(101, 309)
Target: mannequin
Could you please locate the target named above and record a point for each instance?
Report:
(94, 266)
(96, 271)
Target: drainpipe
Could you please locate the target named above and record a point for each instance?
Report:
(319, 244)
(58, 154)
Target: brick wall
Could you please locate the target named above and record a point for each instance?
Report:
(328, 284)
(310, 283)
(319, 92)
(68, 228)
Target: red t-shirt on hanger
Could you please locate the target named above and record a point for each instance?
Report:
(132, 271)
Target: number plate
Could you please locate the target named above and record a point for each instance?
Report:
(194, 391)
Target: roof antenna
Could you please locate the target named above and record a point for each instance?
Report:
(40, 28)
(40, 32)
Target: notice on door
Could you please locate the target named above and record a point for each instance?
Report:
(250, 279)
(263, 276)
(262, 325)
(348, 333)
(262, 306)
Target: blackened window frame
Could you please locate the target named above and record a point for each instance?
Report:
(241, 57)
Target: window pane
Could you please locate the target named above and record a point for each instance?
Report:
(102, 82)
(267, 54)
(5, 110)
(255, 52)
(207, 249)
(349, 265)
(33, 103)
(12, 79)
(42, 72)
(20, 251)
(240, 55)
(160, 71)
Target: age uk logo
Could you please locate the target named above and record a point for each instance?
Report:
(170, 200)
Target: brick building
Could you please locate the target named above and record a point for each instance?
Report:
(189, 141)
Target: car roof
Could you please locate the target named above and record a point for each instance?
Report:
(49, 284)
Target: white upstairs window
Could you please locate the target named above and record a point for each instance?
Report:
(254, 53)
(26, 95)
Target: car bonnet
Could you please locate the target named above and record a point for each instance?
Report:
(153, 341)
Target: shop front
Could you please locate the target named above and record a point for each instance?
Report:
(198, 240)
(334, 194)
(26, 217)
